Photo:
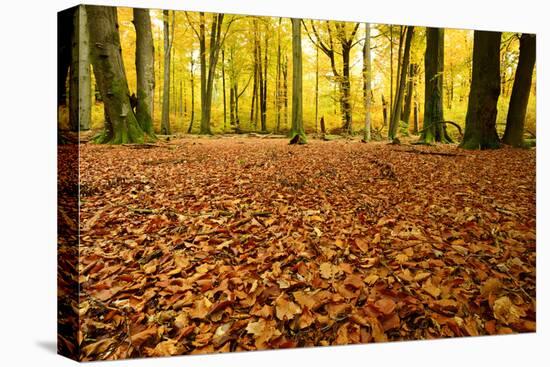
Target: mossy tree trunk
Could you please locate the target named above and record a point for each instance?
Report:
(400, 92)
(145, 55)
(434, 62)
(480, 131)
(121, 123)
(80, 86)
(297, 134)
(515, 121)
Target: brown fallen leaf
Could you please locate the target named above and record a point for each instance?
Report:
(385, 305)
(98, 347)
(143, 336)
(506, 312)
(286, 309)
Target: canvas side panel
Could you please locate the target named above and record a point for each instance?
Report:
(67, 203)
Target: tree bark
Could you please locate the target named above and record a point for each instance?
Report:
(409, 95)
(297, 134)
(223, 87)
(80, 87)
(145, 70)
(121, 125)
(396, 112)
(367, 72)
(515, 121)
(480, 131)
(190, 128)
(165, 121)
(433, 87)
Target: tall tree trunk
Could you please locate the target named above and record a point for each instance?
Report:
(80, 92)
(111, 77)
(515, 121)
(278, 81)
(396, 111)
(367, 82)
(385, 110)
(432, 130)
(145, 70)
(223, 87)
(263, 100)
(409, 95)
(297, 134)
(346, 91)
(190, 128)
(480, 131)
(316, 87)
(284, 71)
(391, 72)
(165, 122)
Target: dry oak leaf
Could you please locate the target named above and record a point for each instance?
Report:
(506, 312)
(286, 309)
(385, 305)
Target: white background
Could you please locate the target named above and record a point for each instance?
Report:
(28, 182)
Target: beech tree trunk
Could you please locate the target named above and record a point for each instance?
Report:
(367, 82)
(145, 55)
(396, 111)
(480, 131)
(121, 124)
(515, 121)
(190, 128)
(406, 116)
(80, 87)
(165, 120)
(297, 134)
(433, 131)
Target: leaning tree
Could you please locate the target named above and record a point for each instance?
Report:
(481, 131)
(121, 125)
(515, 121)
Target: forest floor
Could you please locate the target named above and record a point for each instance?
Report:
(231, 244)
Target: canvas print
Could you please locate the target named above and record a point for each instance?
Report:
(234, 183)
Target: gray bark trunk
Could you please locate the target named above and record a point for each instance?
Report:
(145, 54)
(80, 92)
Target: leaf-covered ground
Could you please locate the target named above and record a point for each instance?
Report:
(232, 244)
